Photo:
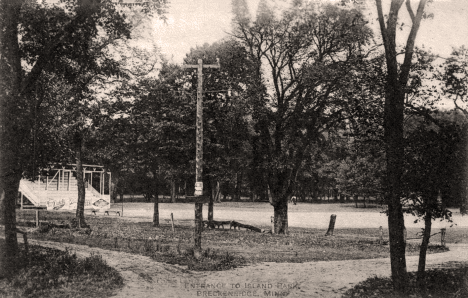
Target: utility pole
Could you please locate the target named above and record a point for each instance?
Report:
(198, 195)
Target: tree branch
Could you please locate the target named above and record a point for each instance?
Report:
(406, 66)
(410, 10)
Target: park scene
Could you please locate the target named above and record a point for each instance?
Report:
(233, 148)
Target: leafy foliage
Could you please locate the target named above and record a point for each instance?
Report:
(55, 273)
(440, 283)
(428, 151)
(303, 57)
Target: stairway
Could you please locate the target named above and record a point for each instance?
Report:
(61, 193)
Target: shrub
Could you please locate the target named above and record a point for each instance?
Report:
(439, 283)
(55, 273)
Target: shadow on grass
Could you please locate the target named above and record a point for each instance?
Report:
(56, 273)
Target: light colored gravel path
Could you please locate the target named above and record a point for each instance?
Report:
(147, 278)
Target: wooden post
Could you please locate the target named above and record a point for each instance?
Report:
(22, 200)
(331, 226)
(381, 235)
(442, 236)
(110, 185)
(199, 158)
(26, 247)
(272, 218)
(198, 228)
(172, 222)
(37, 218)
(199, 155)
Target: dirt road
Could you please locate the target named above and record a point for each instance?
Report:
(147, 278)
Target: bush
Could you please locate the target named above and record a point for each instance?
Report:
(439, 283)
(55, 273)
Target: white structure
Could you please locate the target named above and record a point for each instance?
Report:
(58, 188)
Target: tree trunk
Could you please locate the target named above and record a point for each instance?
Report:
(173, 191)
(80, 204)
(396, 227)
(210, 209)
(279, 200)
(423, 251)
(156, 207)
(238, 186)
(12, 130)
(218, 193)
(314, 194)
(113, 187)
(394, 136)
(9, 254)
(226, 190)
(464, 182)
(397, 80)
(281, 217)
(211, 191)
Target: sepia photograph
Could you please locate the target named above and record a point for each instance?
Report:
(233, 148)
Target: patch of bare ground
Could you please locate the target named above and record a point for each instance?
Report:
(147, 278)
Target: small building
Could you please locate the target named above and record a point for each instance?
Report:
(57, 188)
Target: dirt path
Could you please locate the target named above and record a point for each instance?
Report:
(147, 278)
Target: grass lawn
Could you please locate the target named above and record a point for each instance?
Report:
(225, 248)
(55, 273)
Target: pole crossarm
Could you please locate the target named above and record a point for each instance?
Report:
(199, 124)
(203, 65)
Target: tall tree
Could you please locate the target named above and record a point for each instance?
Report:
(160, 121)
(303, 55)
(397, 80)
(68, 29)
(14, 90)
